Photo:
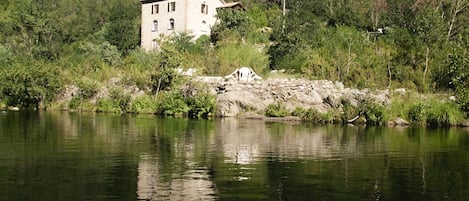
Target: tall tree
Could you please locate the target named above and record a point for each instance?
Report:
(123, 27)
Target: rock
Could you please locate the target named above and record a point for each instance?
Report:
(400, 91)
(13, 108)
(339, 85)
(465, 123)
(114, 81)
(359, 120)
(401, 122)
(323, 95)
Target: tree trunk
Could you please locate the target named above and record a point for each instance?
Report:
(427, 59)
(158, 88)
(349, 61)
(458, 6)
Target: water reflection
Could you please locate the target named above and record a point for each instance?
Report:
(113, 157)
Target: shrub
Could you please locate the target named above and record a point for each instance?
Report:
(443, 114)
(417, 113)
(79, 104)
(312, 115)
(375, 113)
(88, 88)
(144, 104)
(349, 110)
(201, 105)
(276, 109)
(463, 101)
(172, 104)
(29, 85)
(232, 55)
(121, 98)
(108, 105)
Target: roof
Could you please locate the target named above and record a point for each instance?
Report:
(231, 5)
(149, 1)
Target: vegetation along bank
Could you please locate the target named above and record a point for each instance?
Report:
(92, 50)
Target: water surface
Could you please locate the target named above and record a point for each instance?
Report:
(72, 156)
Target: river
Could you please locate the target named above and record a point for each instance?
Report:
(61, 156)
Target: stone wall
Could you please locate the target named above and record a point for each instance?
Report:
(323, 95)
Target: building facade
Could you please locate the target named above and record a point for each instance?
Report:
(167, 17)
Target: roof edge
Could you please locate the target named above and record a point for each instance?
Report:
(149, 1)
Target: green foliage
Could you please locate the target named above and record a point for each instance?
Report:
(172, 104)
(168, 59)
(202, 105)
(308, 115)
(120, 98)
(123, 27)
(463, 101)
(232, 21)
(88, 88)
(276, 109)
(349, 110)
(232, 55)
(375, 114)
(108, 105)
(144, 104)
(443, 114)
(6, 57)
(80, 104)
(99, 53)
(29, 85)
(418, 113)
(455, 72)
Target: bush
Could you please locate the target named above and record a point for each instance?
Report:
(202, 105)
(276, 109)
(232, 55)
(121, 98)
(417, 113)
(172, 104)
(88, 88)
(79, 104)
(108, 105)
(309, 115)
(29, 85)
(443, 114)
(144, 104)
(463, 101)
(375, 113)
(349, 110)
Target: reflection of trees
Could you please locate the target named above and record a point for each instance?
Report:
(62, 156)
(337, 163)
(84, 156)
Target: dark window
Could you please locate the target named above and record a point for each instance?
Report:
(155, 9)
(155, 25)
(171, 24)
(171, 6)
(204, 8)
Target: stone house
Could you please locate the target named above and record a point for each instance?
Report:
(167, 17)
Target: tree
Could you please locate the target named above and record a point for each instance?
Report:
(123, 27)
(458, 7)
(167, 60)
(30, 85)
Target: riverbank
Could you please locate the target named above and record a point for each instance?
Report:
(272, 99)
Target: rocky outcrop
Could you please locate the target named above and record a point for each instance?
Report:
(323, 95)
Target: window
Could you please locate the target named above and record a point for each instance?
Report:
(155, 26)
(204, 8)
(171, 24)
(154, 44)
(204, 26)
(171, 6)
(155, 9)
